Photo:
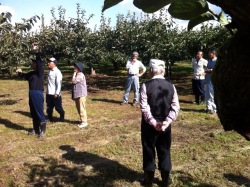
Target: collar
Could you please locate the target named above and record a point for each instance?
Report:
(158, 77)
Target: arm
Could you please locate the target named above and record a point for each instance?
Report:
(22, 75)
(39, 64)
(174, 111)
(77, 77)
(58, 83)
(143, 69)
(145, 108)
(146, 111)
(128, 65)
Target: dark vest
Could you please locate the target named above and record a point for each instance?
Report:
(160, 95)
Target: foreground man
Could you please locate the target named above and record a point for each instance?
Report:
(36, 98)
(159, 106)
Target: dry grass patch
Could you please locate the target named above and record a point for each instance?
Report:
(108, 151)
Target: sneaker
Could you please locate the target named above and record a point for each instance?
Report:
(134, 103)
(83, 124)
(124, 103)
(32, 132)
(41, 135)
(210, 112)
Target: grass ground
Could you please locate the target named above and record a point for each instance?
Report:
(108, 151)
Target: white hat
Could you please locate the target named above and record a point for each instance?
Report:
(156, 64)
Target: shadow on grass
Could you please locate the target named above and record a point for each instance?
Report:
(188, 180)
(55, 119)
(193, 110)
(107, 101)
(11, 125)
(238, 179)
(88, 170)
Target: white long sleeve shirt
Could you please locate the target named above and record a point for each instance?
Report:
(54, 82)
(199, 67)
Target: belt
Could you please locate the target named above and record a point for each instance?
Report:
(132, 74)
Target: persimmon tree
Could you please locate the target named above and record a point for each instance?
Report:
(231, 76)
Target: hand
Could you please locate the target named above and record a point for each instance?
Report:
(164, 126)
(35, 47)
(55, 96)
(158, 126)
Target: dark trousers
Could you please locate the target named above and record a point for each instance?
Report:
(161, 141)
(36, 103)
(52, 103)
(198, 90)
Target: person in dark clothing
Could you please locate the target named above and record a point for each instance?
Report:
(159, 106)
(36, 98)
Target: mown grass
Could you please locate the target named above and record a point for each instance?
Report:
(108, 151)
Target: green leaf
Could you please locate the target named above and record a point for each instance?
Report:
(110, 3)
(150, 6)
(199, 19)
(188, 9)
(222, 18)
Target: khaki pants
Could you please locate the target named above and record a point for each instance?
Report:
(81, 108)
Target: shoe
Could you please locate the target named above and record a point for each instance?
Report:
(83, 124)
(210, 111)
(43, 129)
(61, 118)
(148, 179)
(134, 103)
(41, 135)
(32, 132)
(166, 180)
(124, 103)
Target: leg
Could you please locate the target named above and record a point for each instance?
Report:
(195, 91)
(127, 89)
(202, 90)
(163, 145)
(136, 87)
(38, 103)
(83, 112)
(148, 135)
(50, 106)
(77, 102)
(59, 108)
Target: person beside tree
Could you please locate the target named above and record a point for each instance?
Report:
(210, 104)
(36, 98)
(199, 65)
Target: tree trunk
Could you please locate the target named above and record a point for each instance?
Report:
(231, 79)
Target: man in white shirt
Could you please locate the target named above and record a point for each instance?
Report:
(53, 95)
(133, 66)
(199, 65)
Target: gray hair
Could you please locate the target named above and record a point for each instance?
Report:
(158, 71)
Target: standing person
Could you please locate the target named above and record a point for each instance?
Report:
(36, 98)
(53, 96)
(133, 67)
(79, 93)
(199, 65)
(159, 106)
(210, 104)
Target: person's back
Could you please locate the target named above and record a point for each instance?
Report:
(160, 94)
